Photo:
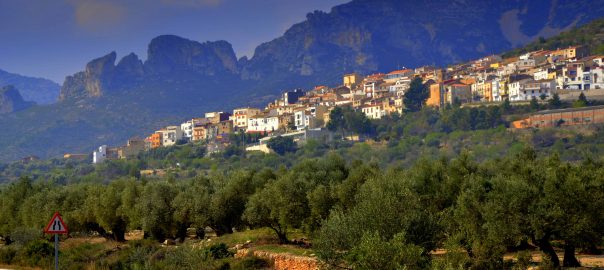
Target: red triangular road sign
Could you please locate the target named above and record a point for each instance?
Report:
(56, 225)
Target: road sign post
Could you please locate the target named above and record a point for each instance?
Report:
(56, 226)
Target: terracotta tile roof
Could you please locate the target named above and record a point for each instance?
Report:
(400, 71)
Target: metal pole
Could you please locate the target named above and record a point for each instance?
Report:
(56, 252)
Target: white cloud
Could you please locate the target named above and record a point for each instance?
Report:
(97, 15)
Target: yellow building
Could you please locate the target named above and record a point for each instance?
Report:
(436, 95)
(352, 79)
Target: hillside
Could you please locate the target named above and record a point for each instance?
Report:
(38, 90)
(109, 102)
(590, 35)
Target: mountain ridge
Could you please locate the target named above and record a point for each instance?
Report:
(108, 102)
(11, 100)
(38, 90)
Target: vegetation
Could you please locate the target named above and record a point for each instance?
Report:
(282, 145)
(588, 35)
(416, 96)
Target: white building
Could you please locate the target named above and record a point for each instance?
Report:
(99, 155)
(170, 135)
(400, 86)
(526, 89)
(515, 88)
(497, 90)
(374, 111)
(187, 127)
(263, 123)
(541, 74)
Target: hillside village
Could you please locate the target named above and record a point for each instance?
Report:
(301, 114)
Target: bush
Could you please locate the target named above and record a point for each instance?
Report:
(282, 145)
(38, 253)
(7, 255)
(219, 251)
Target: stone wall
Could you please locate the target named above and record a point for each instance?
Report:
(283, 261)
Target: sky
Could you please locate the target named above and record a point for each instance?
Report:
(56, 38)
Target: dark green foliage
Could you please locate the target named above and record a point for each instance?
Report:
(282, 145)
(7, 255)
(38, 253)
(534, 104)
(581, 101)
(416, 95)
(219, 251)
(555, 102)
(346, 120)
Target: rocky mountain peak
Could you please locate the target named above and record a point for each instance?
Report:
(170, 54)
(91, 82)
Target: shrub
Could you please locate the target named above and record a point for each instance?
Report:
(7, 255)
(219, 251)
(38, 253)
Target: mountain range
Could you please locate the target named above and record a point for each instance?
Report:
(108, 102)
(11, 100)
(38, 90)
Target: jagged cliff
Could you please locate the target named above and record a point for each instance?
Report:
(169, 57)
(363, 36)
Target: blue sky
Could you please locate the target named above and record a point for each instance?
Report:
(55, 38)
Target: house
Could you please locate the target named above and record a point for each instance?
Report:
(241, 115)
(132, 148)
(498, 89)
(457, 92)
(351, 80)
(104, 153)
(187, 127)
(215, 117)
(291, 97)
(516, 86)
(436, 98)
(482, 91)
(400, 86)
(373, 111)
(99, 155)
(263, 123)
(572, 52)
(396, 75)
(576, 76)
(370, 88)
(170, 135)
(224, 128)
(200, 133)
(536, 89)
(309, 117)
(78, 157)
(154, 141)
